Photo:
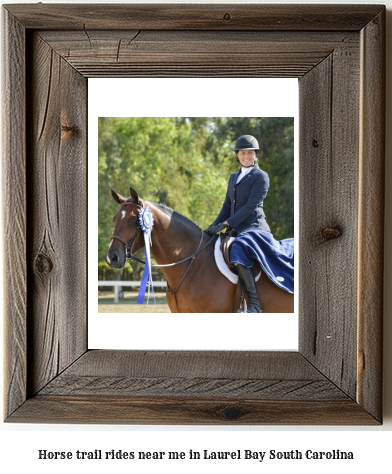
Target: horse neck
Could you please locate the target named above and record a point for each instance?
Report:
(172, 237)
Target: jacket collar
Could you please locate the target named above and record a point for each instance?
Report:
(256, 166)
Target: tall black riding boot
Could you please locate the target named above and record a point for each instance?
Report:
(248, 280)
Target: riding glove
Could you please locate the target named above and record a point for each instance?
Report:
(214, 229)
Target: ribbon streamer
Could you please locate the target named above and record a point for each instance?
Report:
(146, 220)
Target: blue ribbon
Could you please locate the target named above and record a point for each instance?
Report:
(146, 221)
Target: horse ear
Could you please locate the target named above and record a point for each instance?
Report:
(117, 197)
(134, 196)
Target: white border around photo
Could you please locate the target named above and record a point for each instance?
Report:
(188, 97)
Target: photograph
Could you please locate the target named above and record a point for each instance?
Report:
(211, 212)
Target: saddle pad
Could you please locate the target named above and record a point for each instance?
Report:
(222, 266)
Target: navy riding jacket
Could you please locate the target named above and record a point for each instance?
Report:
(243, 205)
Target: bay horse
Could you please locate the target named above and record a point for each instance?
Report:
(196, 285)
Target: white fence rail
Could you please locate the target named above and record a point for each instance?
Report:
(117, 284)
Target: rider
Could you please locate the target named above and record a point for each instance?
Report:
(242, 211)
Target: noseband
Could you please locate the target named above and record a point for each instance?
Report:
(128, 245)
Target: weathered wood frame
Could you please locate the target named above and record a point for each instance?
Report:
(337, 52)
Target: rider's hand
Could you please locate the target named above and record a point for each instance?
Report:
(214, 229)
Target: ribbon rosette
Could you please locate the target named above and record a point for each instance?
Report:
(146, 221)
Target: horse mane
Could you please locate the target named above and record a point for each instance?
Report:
(169, 212)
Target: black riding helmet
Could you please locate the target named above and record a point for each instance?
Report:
(246, 142)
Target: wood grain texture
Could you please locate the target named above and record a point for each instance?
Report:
(193, 53)
(192, 387)
(338, 52)
(14, 212)
(371, 215)
(329, 201)
(155, 411)
(188, 387)
(208, 364)
(57, 213)
(193, 17)
(208, 375)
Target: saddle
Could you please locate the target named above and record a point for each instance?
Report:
(227, 238)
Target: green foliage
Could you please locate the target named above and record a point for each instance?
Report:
(185, 162)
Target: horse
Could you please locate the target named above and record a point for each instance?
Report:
(195, 284)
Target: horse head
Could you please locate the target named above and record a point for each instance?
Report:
(127, 236)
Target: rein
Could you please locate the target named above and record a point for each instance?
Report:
(194, 255)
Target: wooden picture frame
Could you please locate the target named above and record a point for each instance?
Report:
(338, 54)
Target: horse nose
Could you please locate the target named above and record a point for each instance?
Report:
(111, 258)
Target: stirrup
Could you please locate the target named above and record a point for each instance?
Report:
(245, 308)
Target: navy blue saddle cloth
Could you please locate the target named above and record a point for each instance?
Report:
(275, 257)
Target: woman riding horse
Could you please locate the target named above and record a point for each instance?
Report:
(183, 252)
(242, 212)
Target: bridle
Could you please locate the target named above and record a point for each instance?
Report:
(129, 245)
(129, 248)
(129, 256)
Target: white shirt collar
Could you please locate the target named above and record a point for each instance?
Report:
(244, 171)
